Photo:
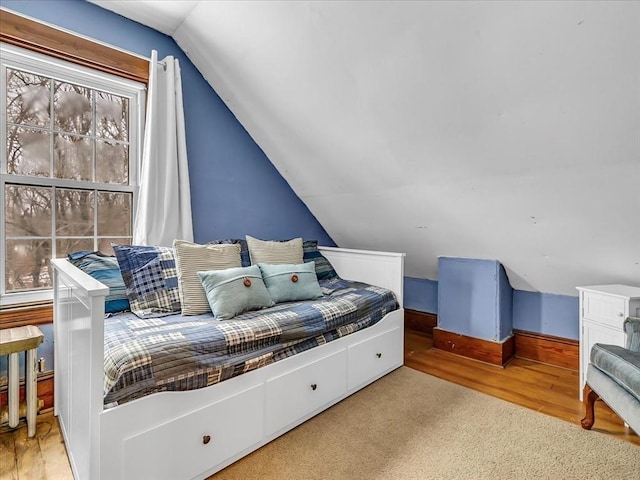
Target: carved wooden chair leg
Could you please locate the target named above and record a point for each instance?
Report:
(589, 398)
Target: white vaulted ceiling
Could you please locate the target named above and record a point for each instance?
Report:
(503, 130)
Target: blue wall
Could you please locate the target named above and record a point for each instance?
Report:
(235, 189)
(421, 294)
(546, 313)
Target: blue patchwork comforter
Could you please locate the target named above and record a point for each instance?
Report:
(174, 353)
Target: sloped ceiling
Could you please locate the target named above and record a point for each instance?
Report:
(502, 130)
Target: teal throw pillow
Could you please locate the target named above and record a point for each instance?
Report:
(290, 283)
(234, 290)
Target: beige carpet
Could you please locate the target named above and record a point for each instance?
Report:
(410, 425)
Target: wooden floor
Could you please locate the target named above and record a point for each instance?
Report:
(41, 458)
(544, 388)
(547, 389)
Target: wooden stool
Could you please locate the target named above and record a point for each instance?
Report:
(12, 342)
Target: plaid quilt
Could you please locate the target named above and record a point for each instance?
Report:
(173, 353)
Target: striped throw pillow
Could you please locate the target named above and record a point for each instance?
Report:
(192, 258)
(275, 252)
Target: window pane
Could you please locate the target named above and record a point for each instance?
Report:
(112, 116)
(67, 146)
(70, 245)
(28, 264)
(112, 163)
(73, 157)
(27, 211)
(104, 244)
(72, 108)
(114, 214)
(74, 212)
(28, 152)
(28, 98)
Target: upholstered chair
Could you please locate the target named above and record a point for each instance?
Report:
(614, 376)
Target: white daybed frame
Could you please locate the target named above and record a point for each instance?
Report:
(196, 433)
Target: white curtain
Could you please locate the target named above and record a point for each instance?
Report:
(164, 199)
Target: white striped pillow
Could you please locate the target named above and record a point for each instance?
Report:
(274, 252)
(192, 258)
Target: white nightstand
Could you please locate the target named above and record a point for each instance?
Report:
(603, 308)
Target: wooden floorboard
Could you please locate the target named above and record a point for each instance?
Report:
(56, 463)
(541, 387)
(8, 468)
(29, 458)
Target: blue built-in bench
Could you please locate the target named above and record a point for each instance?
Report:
(614, 376)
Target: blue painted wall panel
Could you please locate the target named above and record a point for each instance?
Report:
(468, 297)
(421, 294)
(546, 313)
(505, 304)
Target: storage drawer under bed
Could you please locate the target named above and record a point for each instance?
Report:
(194, 443)
(304, 390)
(374, 356)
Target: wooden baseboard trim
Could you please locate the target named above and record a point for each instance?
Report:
(495, 353)
(423, 322)
(26, 315)
(45, 390)
(556, 351)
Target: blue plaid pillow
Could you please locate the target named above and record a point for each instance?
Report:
(151, 279)
(310, 253)
(104, 269)
(244, 248)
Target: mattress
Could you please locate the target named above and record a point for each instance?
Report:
(175, 353)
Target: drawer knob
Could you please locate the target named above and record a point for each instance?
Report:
(621, 314)
(314, 386)
(378, 355)
(206, 439)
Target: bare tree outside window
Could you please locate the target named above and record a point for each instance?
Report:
(73, 142)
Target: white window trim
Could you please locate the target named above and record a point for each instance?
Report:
(21, 59)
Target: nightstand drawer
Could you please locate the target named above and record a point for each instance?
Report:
(604, 309)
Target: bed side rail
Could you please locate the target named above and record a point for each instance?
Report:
(383, 269)
(78, 319)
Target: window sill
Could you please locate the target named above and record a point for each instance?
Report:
(26, 298)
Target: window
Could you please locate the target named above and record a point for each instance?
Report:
(68, 176)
